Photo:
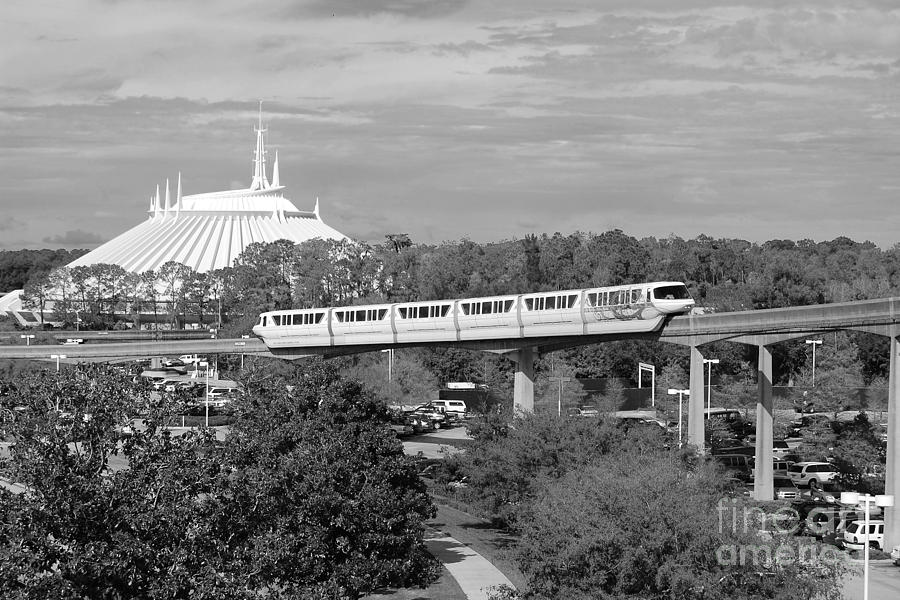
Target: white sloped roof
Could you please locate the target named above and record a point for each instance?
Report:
(208, 231)
(203, 240)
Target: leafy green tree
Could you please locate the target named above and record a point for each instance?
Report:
(321, 500)
(309, 497)
(36, 292)
(508, 467)
(621, 528)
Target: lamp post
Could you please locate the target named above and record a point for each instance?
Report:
(814, 343)
(710, 362)
(390, 352)
(867, 500)
(206, 398)
(243, 337)
(561, 381)
(27, 337)
(681, 394)
(57, 357)
(652, 369)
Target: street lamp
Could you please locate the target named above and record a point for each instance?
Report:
(561, 381)
(204, 363)
(681, 395)
(652, 369)
(814, 343)
(710, 362)
(867, 500)
(243, 337)
(390, 352)
(27, 337)
(57, 357)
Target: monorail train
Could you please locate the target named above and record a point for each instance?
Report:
(634, 308)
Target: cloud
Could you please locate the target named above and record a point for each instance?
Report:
(8, 223)
(418, 9)
(75, 237)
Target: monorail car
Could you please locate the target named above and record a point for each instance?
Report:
(631, 308)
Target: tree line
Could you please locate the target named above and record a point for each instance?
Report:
(722, 274)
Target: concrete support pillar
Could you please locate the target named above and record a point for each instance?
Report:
(892, 472)
(696, 433)
(763, 486)
(523, 390)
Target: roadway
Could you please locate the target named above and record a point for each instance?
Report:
(136, 349)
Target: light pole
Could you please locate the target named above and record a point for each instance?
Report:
(710, 362)
(206, 398)
(652, 369)
(814, 343)
(561, 381)
(27, 337)
(681, 394)
(243, 337)
(857, 498)
(57, 357)
(390, 352)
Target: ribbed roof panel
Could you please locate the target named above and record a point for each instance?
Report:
(206, 239)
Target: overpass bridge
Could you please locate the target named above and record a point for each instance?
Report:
(760, 328)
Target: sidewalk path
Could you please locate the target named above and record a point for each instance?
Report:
(474, 574)
(884, 581)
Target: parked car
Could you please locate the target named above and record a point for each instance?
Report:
(745, 450)
(589, 410)
(781, 450)
(785, 489)
(855, 535)
(819, 518)
(802, 473)
(836, 537)
(436, 418)
(454, 407)
(739, 465)
(779, 468)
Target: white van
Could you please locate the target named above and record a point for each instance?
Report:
(454, 407)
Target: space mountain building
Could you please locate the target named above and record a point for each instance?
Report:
(202, 231)
(208, 231)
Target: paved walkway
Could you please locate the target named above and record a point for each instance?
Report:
(884, 581)
(474, 574)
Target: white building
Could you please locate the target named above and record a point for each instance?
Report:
(208, 231)
(203, 231)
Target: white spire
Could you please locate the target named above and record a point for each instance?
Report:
(156, 203)
(275, 180)
(316, 209)
(259, 161)
(150, 210)
(178, 197)
(166, 206)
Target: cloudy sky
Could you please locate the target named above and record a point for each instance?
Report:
(486, 119)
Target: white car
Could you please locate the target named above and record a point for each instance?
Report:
(802, 473)
(855, 535)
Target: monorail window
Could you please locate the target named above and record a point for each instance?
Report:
(485, 308)
(635, 296)
(671, 292)
(276, 319)
(424, 312)
(351, 316)
(308, 318)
